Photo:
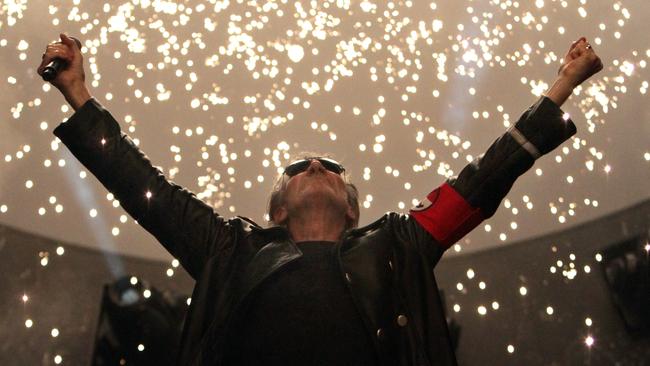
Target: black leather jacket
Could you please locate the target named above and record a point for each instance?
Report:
(387, 265)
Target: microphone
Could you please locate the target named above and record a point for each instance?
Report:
(57, 64)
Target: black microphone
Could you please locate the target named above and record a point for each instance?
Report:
(57, 64)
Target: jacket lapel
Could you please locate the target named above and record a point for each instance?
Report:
(267, 260)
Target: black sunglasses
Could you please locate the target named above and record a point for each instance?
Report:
(301, 165)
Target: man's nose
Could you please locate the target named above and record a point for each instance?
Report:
(315, 166)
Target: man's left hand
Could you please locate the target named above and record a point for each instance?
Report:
(580, 62)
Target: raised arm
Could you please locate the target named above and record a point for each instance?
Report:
(188, 228)
(460, 204)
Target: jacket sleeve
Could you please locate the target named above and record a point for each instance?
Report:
(187, 227)
(460, 204)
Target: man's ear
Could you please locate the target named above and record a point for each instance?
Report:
(350, 215)
(280, 215)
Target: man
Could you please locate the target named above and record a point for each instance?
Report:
(312, 289)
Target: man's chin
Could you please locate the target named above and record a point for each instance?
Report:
(321, 197)
(318, 194)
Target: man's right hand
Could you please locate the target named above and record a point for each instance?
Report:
(71, 80)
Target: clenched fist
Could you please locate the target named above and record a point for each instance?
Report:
(70, 80)
(580, 62)
(578, 65)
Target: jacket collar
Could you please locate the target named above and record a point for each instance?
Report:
(281, 232)
(267, 260)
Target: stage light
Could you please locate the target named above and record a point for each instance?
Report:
(626, 270)
(138, 324)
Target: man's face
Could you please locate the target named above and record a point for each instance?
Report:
(316, 188)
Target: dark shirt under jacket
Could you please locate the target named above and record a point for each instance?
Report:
(302, 315)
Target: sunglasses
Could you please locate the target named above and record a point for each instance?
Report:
(301, 165)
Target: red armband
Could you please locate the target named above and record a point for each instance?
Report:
(446, 215)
